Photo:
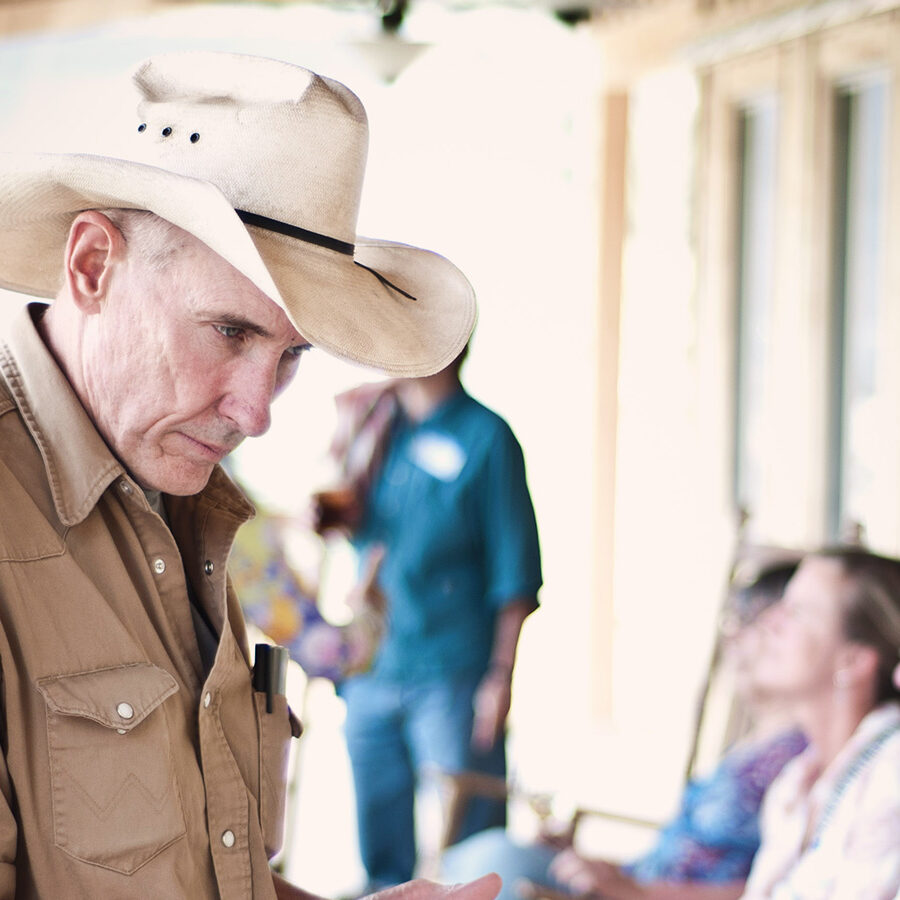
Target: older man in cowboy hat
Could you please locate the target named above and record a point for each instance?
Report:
(190, 273)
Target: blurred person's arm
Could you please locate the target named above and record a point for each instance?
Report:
(494, 694)
(484, 888)
(660, 890)
(597, 877)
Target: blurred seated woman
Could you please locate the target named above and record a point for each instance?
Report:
(706, 850)
(831, 820)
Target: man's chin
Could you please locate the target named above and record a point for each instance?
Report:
(179, 480)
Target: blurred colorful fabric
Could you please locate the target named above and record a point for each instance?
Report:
(278, 604)
(715, 833)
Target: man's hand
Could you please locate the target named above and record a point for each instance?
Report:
(335, 510)
(365, 596)
(587, 876)
(491, 705)
(492, 699)
(485, 888)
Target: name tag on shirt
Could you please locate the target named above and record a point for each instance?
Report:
(438, 455)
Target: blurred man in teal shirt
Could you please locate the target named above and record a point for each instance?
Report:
(449, 502)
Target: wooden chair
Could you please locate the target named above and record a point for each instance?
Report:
(458, 789)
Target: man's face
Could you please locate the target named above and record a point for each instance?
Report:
(182, 363)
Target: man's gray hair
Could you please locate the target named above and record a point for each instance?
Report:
(155, 238)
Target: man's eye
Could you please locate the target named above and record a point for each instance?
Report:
(298, 351)
(229, 331)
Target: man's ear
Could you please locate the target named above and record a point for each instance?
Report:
(93, 248)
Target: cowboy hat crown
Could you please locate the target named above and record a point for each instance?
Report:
(283, 114)
(264, 162)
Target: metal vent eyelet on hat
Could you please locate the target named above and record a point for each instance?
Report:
(166, 131)
(142, 126)
(195, 137)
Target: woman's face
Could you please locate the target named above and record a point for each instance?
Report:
(800, 648)
(742, 645)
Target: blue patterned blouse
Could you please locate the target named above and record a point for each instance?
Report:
(715, 833)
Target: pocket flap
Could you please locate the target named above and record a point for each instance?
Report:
(119, 697)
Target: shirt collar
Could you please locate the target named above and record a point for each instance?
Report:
(885, 716)
(79, 464)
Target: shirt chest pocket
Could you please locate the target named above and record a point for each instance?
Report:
(115, 799)
(275, 732)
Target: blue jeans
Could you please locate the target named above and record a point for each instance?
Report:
(393, 731)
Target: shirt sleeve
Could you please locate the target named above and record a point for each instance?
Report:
(9, 829)
(715, 833)
(512, 550)
(746, 775)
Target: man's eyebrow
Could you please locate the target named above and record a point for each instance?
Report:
(236, 321)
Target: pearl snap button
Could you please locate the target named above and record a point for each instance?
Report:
(208, 567)
(125, 710)
(122, 730)
(125, 486)
(228, 838)
(207, 698)
(159, 566)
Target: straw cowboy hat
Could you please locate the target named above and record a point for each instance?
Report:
(263, 161)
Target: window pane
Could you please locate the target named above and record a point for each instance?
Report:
(860, 175)
(757, 148)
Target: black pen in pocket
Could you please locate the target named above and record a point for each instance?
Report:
(269, 671)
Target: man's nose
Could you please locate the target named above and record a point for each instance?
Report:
(248, 401)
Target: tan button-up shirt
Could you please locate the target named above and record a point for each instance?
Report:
(126, 772)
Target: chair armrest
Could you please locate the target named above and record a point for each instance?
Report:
(586, 812)
(458, 788)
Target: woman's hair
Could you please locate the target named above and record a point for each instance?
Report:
(872, 610)
(750, 599)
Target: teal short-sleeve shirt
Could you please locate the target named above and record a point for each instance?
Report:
(452, 507)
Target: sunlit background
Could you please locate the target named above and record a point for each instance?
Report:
(677, 217)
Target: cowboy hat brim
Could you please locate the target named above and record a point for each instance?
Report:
(336, 301)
